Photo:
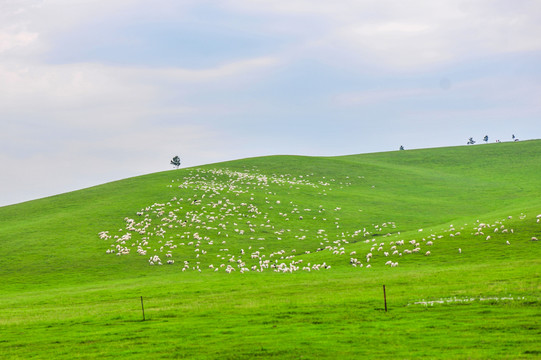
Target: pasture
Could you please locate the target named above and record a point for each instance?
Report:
(284, 257)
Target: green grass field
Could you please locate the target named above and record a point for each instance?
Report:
(284, 257)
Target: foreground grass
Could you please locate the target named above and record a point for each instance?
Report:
(63, 297)
(296, 315)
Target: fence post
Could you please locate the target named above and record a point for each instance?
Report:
(143, 308)
(385, 298)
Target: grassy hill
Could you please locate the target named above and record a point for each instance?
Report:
(285, 257)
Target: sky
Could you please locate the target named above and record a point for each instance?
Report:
(101, 90)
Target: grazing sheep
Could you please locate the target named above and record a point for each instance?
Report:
(145, 232)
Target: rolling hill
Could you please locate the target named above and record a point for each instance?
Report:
(284, 257)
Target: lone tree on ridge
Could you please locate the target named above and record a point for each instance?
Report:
(176, 162)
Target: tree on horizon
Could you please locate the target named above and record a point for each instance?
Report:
(176, 162)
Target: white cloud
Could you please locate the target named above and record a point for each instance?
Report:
(397, 35)
(10, 41)
(95, 93)
(378, 96)
(404, 36)
(236, 69)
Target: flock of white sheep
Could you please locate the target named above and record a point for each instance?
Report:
(220, 222)
(468, 300)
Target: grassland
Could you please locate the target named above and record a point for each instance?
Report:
(63, 296)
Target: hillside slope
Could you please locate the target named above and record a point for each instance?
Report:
(412, 189)
(237, 257)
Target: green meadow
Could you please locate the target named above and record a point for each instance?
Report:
(284, 257)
